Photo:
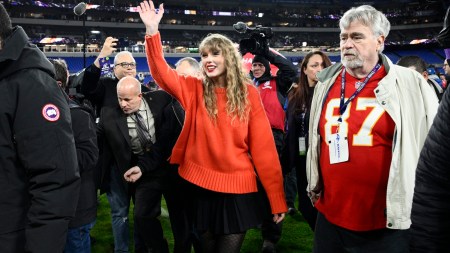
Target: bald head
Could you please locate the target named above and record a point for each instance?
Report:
(129, 82)
(129, 94)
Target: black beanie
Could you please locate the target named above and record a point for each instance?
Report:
(265, 62)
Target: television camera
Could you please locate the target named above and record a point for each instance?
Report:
(258, 42)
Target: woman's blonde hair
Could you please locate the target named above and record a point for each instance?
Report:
(236, 79)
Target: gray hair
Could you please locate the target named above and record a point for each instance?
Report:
(368, 16)
(192, 62)
(120, 54)
(61, 69)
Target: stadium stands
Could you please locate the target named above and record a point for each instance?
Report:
(299, 26)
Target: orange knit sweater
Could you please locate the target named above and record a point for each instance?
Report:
(220, 156)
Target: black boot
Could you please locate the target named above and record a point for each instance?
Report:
(444, 35)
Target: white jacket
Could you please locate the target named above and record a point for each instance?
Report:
(412, 104)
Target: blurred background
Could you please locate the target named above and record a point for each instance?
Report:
(299, 26)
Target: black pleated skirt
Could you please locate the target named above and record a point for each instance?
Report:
(226, 213)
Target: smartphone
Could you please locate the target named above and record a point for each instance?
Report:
(122, 43)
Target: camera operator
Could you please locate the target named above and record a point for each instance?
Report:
(273, 91)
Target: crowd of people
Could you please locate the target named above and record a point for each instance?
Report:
(361, 142)
(205, 17)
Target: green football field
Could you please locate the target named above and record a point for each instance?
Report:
(297, 237)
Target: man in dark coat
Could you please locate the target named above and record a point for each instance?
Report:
(84, 131)
(430, 215)
(39, 179)
(101, 92)
(430, 228)
(136, 166)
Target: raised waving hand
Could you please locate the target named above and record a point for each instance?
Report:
(150, 16)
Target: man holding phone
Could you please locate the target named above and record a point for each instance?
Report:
(102, 92)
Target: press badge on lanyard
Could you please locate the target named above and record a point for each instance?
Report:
(302, 146)
(338, 142)
(302, 138)
(338, 147)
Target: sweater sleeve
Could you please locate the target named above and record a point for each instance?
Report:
(264, 153)
(181, 87)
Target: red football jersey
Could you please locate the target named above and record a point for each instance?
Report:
(354, 194)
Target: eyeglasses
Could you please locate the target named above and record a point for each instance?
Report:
(127, 64)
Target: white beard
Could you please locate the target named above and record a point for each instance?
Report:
(353, 63)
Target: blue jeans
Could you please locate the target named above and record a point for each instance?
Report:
(78, 239)
(119, 201)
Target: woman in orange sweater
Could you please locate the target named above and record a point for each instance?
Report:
(226, 137)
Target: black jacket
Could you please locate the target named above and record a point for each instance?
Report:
(298, 126)
(116, 143)
(430, 229)
(84, 131)
(173, 123)
(39, 178)
(286, 74)
(101, 91)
